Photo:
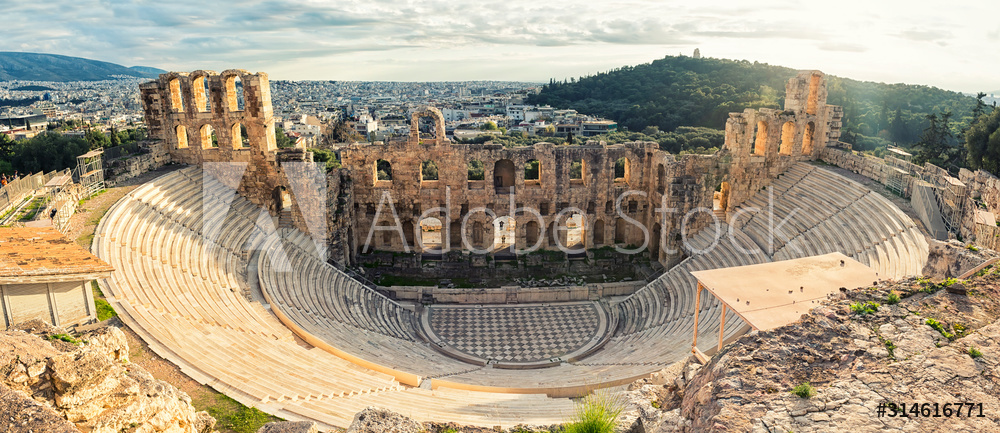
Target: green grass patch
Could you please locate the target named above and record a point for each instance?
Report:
(805, 390)
(596, 413)
(104, 309)
(65, 337)
(892, 299)
(231, 416)
(939, 327)
(863, 308)
(974, 352)
(399, 280)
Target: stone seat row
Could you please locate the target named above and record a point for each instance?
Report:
(155, 235)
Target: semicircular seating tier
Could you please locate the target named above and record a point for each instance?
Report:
(184, 294)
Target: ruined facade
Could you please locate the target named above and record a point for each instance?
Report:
(615, 190)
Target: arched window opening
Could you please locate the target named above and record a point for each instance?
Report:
(383, 170)
(532, 172)
(182, 137)
(622, 170)
(576, 170)
(476, 170)
(807, 138)
(503, 174)
(787, 138)
(428, 171)
(176, 97)
(208, 137)
(759, 146)
(201, 92)
(234, 93)
(241, 138)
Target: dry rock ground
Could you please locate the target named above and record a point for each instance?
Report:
(86, 382)
(855, 361)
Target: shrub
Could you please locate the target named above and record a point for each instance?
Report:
(974, 353)
(971, 247)
(863, 308)
(892, 299)
(65, 337)
(596, 413)
(805, 390)
(939, 327)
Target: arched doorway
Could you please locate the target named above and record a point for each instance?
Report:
(504, 233)
(503, 174)
(431, 234)
(575, 233)
(531, 233)
(807, 138)
(720, 199)
(620, 231)
(598, 233)
(787, 138)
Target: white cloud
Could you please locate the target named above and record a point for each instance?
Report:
(515, 39)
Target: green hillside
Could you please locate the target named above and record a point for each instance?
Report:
(684, 91)
(52, 67)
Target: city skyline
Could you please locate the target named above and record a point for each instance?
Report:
(518, 41)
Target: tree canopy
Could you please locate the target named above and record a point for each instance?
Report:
(684, 91)
(982, 142)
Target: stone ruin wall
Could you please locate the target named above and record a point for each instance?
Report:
(178, 110)
(183, 110)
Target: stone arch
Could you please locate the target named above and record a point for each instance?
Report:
(408, 232)
(431, 234)
(477, 234)
(240, 135)
(477, 171)
(598, 233)
(428, 171)
(234, 91)
(182, 137)
(176, 96)
(504, 232)
(531, 233)
(812, 102)
(576, 231)
(383, 170)
(787, 138)
(503, 173)
(621, 231)
(759, 144)
(533, 172)
(437, 123)
(201, 92)
(623, 170)
(720, 199)
(807, 138)
(208, 137)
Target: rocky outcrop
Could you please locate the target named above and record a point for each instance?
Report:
(377, 420)
(934, 346)
(952, 258)
(87, 380)
(19, 413)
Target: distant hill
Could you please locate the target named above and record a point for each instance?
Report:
(684, 91)
(52, 67)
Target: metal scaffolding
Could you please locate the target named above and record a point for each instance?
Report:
(89, 171)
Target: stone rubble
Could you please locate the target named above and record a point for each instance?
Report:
(90, 383)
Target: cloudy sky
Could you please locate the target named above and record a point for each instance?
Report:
(953, 45)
